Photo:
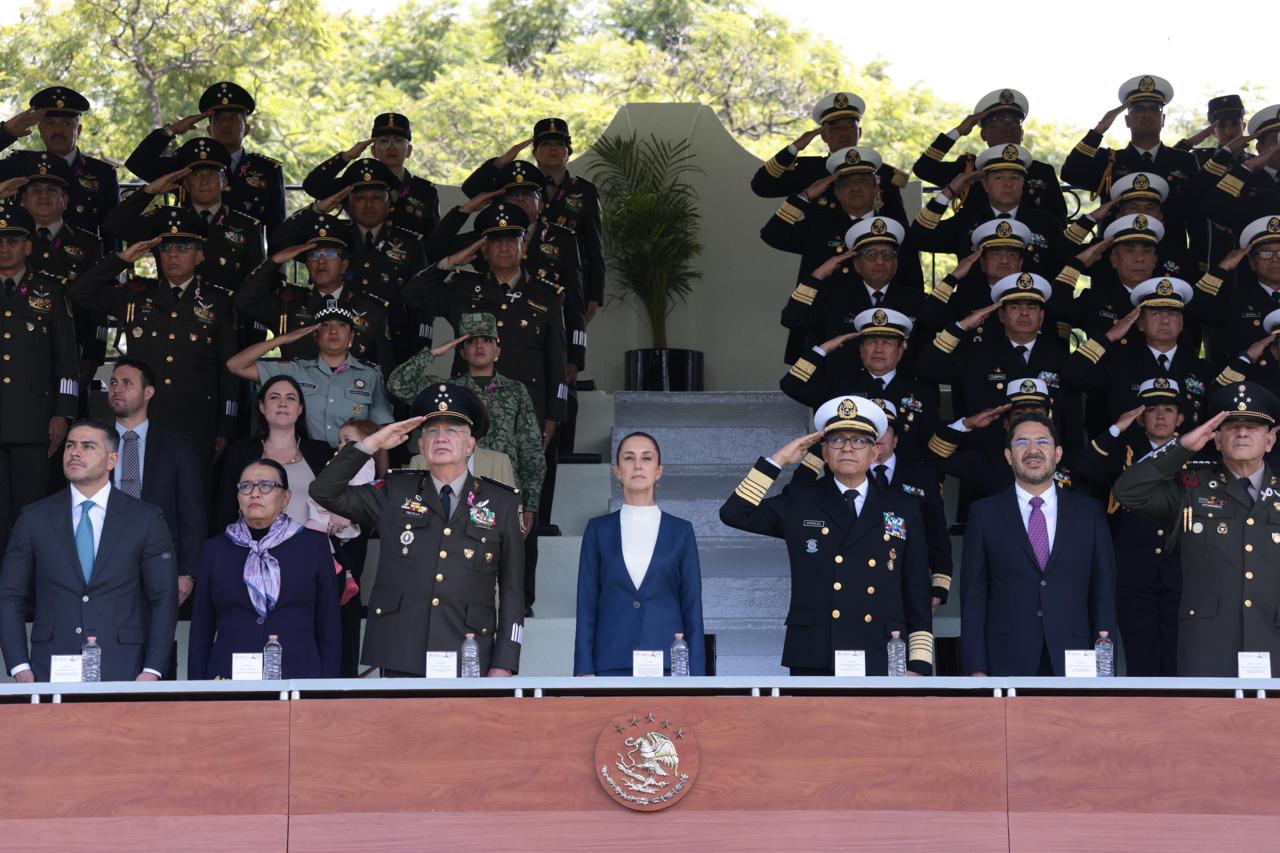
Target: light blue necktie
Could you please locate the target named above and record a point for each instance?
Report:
(84, 540)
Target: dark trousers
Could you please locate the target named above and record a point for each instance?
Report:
(1046, 661)
(1149, 627)
(24, 478)
(351, 554)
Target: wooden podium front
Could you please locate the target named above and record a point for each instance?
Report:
(809, 772)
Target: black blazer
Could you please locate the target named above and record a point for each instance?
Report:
(225, 507)
(172, 480)
(1009, 609)
(130, 602)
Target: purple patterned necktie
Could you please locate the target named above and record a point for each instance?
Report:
(1038, 532)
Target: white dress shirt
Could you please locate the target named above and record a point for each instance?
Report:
(890, 465)
(862, 493)
(1155, 353)
(1049, 508)
(97, 512)
(1011, 213)
(639, 538)
(141, 431)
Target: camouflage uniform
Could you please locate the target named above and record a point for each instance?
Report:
(514, 428)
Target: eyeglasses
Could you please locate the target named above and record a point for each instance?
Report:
(1145, 108)
(391, 142)
(452, 432)
(322, 254)
(855, 442)
(1266, 254)
(265, 487)
(1002, 121)
(1042, 441)
(178, 247)
(878, 254)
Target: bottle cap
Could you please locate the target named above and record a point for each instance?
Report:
(471, 636)
(93, 638)
(273, 636)
(679, 636)
(894, 634)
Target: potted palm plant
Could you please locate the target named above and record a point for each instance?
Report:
(651, 221)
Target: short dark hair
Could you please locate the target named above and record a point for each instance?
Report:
(270, 463)
(617, 453)
(364, 426)
(300, 428)
(112, 437)
(1035, 418)
(148, 375)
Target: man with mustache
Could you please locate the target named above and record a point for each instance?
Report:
(1037, 575)
(1225, 521)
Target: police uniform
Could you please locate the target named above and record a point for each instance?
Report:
(1047, 246)
(64, 251)
(281, 307)
(514, 428)
(810, 381)
(186, 339)
(415, 202)
(255, 183)
(1148, 574)
(859, 564)
(573, 205)
(93, 188)
(38, 370)
(235, 240)
(530, 314)
(1092, 166)
(1229, 540)
(437, 577)
(334, 395)
(1118, 371)
(1042, 192)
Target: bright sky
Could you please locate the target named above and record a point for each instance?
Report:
(1063, 64)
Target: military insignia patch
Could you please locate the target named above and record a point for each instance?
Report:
(1164, 287)
(1024, 282)
(1006, 97)
(879, 318)
(1141, 182)
(1004, 229)
(1146, 84)
(878, 226)
(852, 156)
(1027, 387)
(847, 409)
(414, 507)
(1140, 222)
(1161, 382)
(895, 525)
(1273, 225)
(841, 100)
(1010, 153)
(811, 546)
(479, 512)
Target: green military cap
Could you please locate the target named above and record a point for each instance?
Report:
(481, 325)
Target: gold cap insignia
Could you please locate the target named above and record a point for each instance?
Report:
(1273, 224)
(204, 155)
(1241, 407)
(842, 100)
(44, 170)
(173, 229)
(1028, 386)
(1010, 152)
(1161, 382)
(878, 226)
(1024, 282)
(1004, 229)
(60, 102)
(443, 407)
(1164, 287)
(1141, 182)
(852, 156)
(1140, 222)
(1146, 84)
(879, 318)
(367, 176)
(323, 232)
(1006, 97)
(847, 409)
(226, 100)
(4, 223)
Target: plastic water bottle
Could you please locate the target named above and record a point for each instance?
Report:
(1105, 652)
(272, 659)
(91, 660)
(897, 654)
(470, 657)
(680, 657)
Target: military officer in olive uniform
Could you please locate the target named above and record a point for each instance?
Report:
(62, 250)
(859, 557)
(335, 386)
(180, 324)
(415, 203)
(38, 370)
(530, 314)
(235, 240)
(282, 307)
(255, 183)
(1225, 522)
(451, 542)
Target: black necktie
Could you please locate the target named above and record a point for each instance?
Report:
(445, 492)
(1022, 351)
(1275, 296)
(9, 285)
(1247, 486)
(851, 497)
(177, 294)
(206, 215)
(368, 242)
(881, 475)
(1005, 216)
(876, 297)
(1163, 361)
(1147, 158)
(43, 234)
(879, 380)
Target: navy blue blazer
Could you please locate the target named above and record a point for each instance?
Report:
(615, 619)
(1009, 609)
(305, 618)
(171, 480)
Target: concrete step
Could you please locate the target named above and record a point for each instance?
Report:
(548, 646)
(582, 493)
(719, 428)
(696, 492)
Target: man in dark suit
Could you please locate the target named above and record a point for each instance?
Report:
(859, 557)
(101, 564)
(1037, 576)
(158, 467)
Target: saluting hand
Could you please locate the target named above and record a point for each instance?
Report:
(285, 255)
(828, 267)
(467, 255)
(184, 125)
(966, 263)
(392, 435)
(1122, 326)
(975, 318)
(325, 205)
(962, 182)
(1109, 118)
(1126, 420)
(1233, 258)
(1262, 161)
(167, 183)
(795, 449)
(1090, 256)
(356, 150)
(296, 334)
(971, 121)
(818, 187)
(1203, 434)
(1259, 346)
(481, 201)
(21, 124)
(448, 346)
(1102, 211)
(838, 341)
(803, 140)
(133, 251)
(513, 152)
(1237, 145)
(986, 417)
(11, 186)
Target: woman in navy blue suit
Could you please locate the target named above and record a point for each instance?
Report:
(266, 574)
(638, 578)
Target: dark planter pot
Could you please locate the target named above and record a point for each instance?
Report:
(664, 370)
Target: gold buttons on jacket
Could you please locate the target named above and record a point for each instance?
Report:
(871, 563)
(377, 612)
(839, 559)
(1248, 603)
(444, 554)
(1159, 550)
(1249, 521)
(1248, 547)
(825, 531)
(1248, 576)
(435, 602)
(439, 578)
(1191, 613)
(447, 531)
(866, 618)
(835, 614)
(836, 586)
(871, 590)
